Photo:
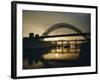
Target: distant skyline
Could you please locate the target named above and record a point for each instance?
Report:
(38, 21)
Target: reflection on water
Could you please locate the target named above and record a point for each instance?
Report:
(59, 56)
(55, 53)
(64, 53)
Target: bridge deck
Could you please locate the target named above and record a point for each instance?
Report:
(64, 35)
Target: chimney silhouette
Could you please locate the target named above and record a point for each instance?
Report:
(36, 35)
(31, 35)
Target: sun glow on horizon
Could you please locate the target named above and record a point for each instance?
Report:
(64, 38)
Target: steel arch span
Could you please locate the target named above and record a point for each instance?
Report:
(62, 25)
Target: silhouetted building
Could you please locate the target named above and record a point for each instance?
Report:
(34, 48)
(36, 35)
(31, 35)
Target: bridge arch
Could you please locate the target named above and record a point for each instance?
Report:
(62, 25)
